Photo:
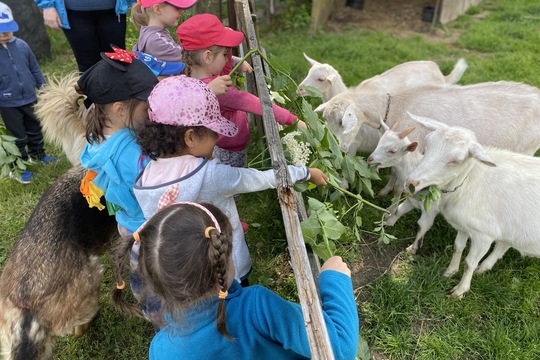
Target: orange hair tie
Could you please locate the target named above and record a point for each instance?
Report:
(136, 236)
(207, 231)
(121, 286)
(223, 294)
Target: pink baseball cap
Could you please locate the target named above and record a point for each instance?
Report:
(186, 101)
(182, 4)
(204, 30)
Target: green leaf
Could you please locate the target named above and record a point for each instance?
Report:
(348, 169)
(8, 138)
(5, 171)
(322, 251)
(315, 205)
(11, 148)
(301, 186)
(279, 82)
(310, 229)
(313, 91)
(334, 229)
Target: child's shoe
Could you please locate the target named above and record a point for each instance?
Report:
(26, 177)
(48, 159)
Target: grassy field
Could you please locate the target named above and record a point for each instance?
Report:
(403, 308)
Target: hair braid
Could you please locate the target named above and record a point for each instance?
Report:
(121, 257)
(218, 253)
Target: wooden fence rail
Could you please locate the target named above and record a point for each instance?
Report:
(309, 298)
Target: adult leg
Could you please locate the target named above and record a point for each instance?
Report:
(111, 29)
(13, 119)
(33, 132)
(83, 38)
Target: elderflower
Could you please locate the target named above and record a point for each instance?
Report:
(298, 150)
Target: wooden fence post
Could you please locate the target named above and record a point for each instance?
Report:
(319, 342)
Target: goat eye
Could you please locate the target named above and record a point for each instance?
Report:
(454, 162)
(320, 80)
(392, 151)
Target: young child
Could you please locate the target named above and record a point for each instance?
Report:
(151, 18)
(185, 259)
(183, 127)
(21, 76)
(207, 48)
(119, 90)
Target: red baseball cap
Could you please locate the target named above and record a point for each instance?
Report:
(204, 30)
(182, 4)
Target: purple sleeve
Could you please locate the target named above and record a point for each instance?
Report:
(159, 44)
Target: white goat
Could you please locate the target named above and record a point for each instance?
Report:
(399, 78)
(492, 195)
(395, 150)
(403, 76)
(503, 114)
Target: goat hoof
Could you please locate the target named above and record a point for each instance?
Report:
(411, 250)
(454, 293)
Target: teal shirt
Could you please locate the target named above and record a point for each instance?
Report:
(116, 163)
(264, 326)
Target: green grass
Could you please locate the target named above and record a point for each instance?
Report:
(404, 313)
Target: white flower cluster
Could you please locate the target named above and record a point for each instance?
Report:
(298, 150)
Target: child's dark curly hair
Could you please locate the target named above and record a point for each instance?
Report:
(160, 140)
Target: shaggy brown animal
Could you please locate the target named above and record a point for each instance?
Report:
(50, 283)
(62, 115)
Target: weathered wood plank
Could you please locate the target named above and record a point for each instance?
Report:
(309, 298)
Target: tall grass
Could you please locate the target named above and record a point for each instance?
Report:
(404, 313)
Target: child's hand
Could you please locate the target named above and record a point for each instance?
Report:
(301, 124)
(317, 176)
(245, 67)
(220, 85)
(336, 263)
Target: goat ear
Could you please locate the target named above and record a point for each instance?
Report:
(349, 119)
(405, 132)
(319, 109)
(479, 154)
(331, 78)
(427, 122)
(310, 60)
(411, 147)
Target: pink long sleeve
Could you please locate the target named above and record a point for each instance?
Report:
(234, 106)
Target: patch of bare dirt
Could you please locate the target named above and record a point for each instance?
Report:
(377, 260)
(399, 15)
(403, 17)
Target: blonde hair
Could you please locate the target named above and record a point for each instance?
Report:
(193, 57)
(139, 16)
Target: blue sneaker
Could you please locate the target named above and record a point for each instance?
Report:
(26, 177)
(49, 159)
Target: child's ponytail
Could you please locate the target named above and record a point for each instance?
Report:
(218, 254)
(139, 16)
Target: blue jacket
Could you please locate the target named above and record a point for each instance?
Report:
(264, 326)
(122, 6)
(116, 162)
(20, 74)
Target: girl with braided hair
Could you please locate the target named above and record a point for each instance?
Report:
(185, 260)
